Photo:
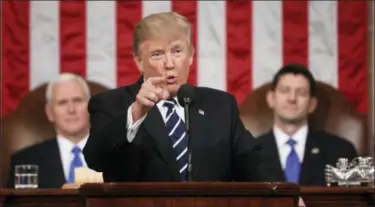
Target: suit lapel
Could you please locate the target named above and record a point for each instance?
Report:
(155, 126)
(311, 156)
(134, 89)
(271, 150)
(55, 177)
(198, 134)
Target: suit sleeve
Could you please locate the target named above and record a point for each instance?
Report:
(107, 149)
(349, 151)
(131, 127)
(250, 162)
(10, 178)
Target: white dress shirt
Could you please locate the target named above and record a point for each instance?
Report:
(133, 127)
(66, 155)
(284, 149)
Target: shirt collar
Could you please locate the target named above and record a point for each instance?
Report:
(161, 102)
(66, 143)
(281, 137)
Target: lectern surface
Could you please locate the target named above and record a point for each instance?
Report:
(338, 196)
(191, 194)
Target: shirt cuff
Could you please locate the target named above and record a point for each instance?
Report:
(132, 128)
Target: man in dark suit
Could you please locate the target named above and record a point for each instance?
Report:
(66, 108)
(137, 131)
(299, 152)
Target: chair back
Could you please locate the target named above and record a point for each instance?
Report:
(334, 114)
(28, 125)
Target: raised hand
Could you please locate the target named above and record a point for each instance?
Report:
(151, 92)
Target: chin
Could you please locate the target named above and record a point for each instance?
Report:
(74, 129)
(292, 120)
(173, 88)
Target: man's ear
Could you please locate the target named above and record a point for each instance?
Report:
(191, 55)
(270, 99)
(49, 113)
(138, 62)
(313, 104)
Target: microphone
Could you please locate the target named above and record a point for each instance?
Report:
(185, 98)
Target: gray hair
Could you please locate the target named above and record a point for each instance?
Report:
(63, 77)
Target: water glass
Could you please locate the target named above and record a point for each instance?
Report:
(25, 176)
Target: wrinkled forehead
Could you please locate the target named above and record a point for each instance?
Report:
(166, 34)
(163, 44)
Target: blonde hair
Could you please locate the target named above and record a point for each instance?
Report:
(167, 25)
(67, 77)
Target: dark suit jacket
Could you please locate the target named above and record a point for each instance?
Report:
(330, 149)
(47, 156)
(222, 150)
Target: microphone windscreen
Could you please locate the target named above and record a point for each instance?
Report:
(185, 94)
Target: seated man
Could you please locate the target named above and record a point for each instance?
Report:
(66, 108)
(299, 151)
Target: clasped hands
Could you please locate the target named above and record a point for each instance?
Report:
(84, 175)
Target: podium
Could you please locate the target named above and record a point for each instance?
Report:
(338, 196)
(40, 198)
(157, 194)
(190, 194)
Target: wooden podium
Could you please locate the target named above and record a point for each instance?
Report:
(190, 194)
(338, 196)
(157, 194)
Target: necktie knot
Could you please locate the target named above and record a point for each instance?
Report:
(76, 150)
(291, 142)
(170, 104)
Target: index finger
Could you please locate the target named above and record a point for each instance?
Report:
(157, 80)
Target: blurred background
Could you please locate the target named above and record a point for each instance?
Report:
(239, 46)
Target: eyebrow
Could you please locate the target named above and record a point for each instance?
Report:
(155, 50)
(177, 44)
(298, 88)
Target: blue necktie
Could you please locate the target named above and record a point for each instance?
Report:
(176, 131)
(292, 169)
(76, 162)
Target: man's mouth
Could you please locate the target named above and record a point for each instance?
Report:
(73, 119)
(171, 79)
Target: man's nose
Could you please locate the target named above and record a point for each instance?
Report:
(71, 108)
(292, 97)
(169, 62)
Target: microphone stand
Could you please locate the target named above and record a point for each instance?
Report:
(187, 102)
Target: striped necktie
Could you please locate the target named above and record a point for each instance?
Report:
(176, 132)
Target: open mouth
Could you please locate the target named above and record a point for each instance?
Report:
(171, 79)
